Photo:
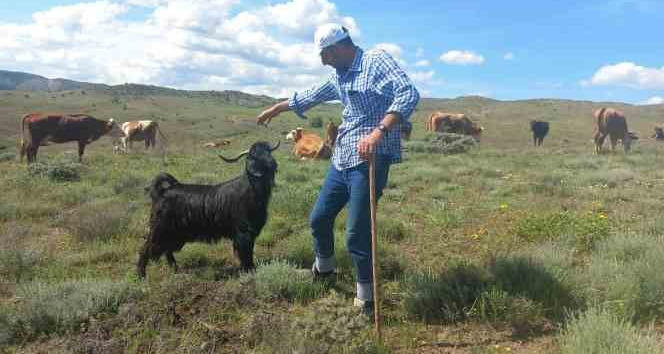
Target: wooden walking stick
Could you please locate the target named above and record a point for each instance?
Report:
(374, 243)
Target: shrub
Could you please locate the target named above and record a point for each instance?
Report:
(525, 277)
(601, 332)
(497, 306)
(130, 184)
(62, 307)
(7, 156)
(330, 325)
(445, 297)
(17, 264)
(56, 171)
(624, 276)
(391, 229)
(281, 280)
(98, 222)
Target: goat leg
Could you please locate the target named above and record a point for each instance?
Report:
(171, 261)
(243, 247)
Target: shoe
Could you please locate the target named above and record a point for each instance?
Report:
(328, 278)
(365, 306)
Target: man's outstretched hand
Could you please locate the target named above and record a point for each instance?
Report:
(266, 116)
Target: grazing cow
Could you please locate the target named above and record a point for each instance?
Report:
(145, 130)
(308, 145)
(540, 129)
(235, 209)
(659, 132)
(456, 123)
(217, 144)
(611, 122)
(38, 129)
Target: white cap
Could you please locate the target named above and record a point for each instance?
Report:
(328, 34)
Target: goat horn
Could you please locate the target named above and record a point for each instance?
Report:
(234, 158)
(275, 146)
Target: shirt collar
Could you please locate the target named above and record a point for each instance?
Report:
(357, 62)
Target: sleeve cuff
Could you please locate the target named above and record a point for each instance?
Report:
(294, 105)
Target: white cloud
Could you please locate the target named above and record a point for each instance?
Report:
(391, 48)
(423, 62)
(419, 52)
(422, 77)
(629, 75)
(394, 50)
(458, 57)
(508, 56)
(654, 100)
(202, 44)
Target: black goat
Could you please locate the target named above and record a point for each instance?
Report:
(236, 209)
(540, 130)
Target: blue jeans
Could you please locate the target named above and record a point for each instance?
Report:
(349, 186)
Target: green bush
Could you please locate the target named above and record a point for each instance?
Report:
(497, 307)
(525, 277)
(56, 171)
(330, 325)
(625, 276)
(7, 156)
(281, 280)
(98, 222)
(601, 332)
(62, 307)
(17, 264)
(391, 229)
(446, 297)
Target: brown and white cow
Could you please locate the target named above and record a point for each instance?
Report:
(217, 144)
(309, 145)
(456, 123)
(611, 122)
(141, 130)
(40, 129)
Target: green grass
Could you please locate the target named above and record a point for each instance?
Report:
(504, 239)
(601, 332)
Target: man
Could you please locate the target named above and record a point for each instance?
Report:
(378, 99)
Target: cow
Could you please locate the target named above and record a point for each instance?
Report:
(235, 209)
(456, 123)
(217, 144)
(39, 129)
(308, 145)
(659, 132)
(611, 122)
(540, 129)
(142, 130)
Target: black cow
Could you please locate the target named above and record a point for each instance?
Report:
(236, 209)
(540, 129)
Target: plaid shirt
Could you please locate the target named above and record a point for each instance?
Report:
(373, 86)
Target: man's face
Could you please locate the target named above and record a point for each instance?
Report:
(328, 56)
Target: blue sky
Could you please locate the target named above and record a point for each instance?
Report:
(609, 50)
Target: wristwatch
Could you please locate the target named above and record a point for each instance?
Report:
(382, 128)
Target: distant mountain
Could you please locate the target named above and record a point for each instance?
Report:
(12, 80)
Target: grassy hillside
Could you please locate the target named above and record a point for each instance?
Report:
(506, 248)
